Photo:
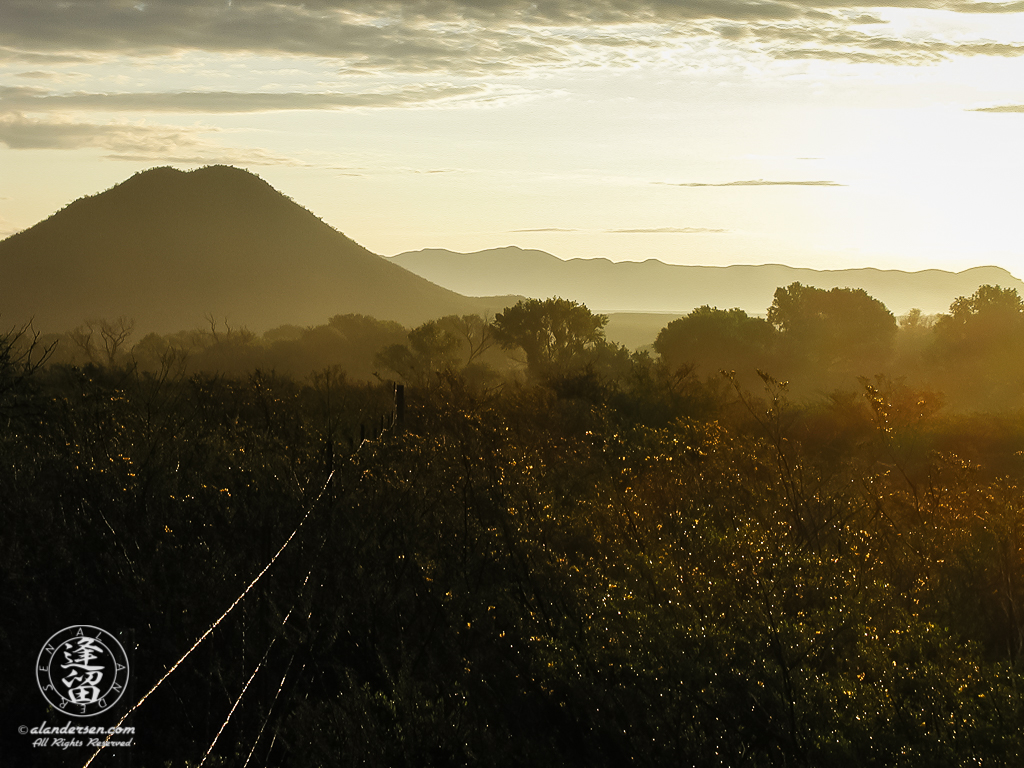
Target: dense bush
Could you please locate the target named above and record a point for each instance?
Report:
(530, 575)
(614, 559)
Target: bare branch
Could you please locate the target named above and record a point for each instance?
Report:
(21, 355)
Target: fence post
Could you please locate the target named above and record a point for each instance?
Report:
(400, 406)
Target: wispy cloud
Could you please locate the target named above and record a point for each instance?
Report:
(475, 36)
(38, 74)
(836, 38)
(18, 54)
(983, 7)
(32, 99)
(1004, 108)
(667, 230)
(130, 141)
(752, 183)
(395, 37)
(547, 229)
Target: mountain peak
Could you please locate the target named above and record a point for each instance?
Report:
(170, 247)
(205, 173)
(208, 181)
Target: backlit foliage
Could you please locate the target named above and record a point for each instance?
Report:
(618, 565)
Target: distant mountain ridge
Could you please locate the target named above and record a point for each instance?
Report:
(169, 247)
(654, 286)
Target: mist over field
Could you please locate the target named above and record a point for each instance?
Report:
(437, 509)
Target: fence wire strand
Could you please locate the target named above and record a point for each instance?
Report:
(214, 625)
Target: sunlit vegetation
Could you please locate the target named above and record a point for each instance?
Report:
(558, 553)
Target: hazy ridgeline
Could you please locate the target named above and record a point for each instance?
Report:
(566, 553)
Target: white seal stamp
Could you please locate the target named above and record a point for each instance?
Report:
(82, 670)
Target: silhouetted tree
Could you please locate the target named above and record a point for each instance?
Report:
(475, 334)
(556, 334)
(21, 355)
(838, 326)
(715, 339)
(990, 318)
(431, 349)
(112, 335)
(979, 347)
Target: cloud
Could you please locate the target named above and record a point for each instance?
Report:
(834, 38)
(473, 36)
(19, 132)
(667, 230)
(969, 7)
(394, 37)
(30, 99)
(130, 141)
(37, 74)
(546, 229)
(754, 183)
(14, 92)
(19, 55)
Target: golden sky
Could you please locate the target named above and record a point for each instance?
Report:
(818, 134)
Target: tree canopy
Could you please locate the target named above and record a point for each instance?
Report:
(556, 334)
(715, 339)
(990, 317)
(830, 326)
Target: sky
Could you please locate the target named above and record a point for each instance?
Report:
(817, 133)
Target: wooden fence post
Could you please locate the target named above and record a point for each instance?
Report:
(400, 406)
